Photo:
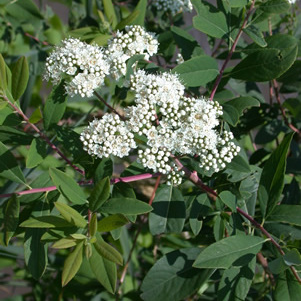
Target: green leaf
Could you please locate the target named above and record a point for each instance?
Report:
(197, 71)
(36, 116)
(35, 252)
(3, 78)
(137, 17)
(275, 6)
(105, 271)
(99, 194)
(112, 222)
(72, 263)
(173, 277)
(210, 20)
(110, 12)
(20, 76)
(286, 214)
(49, 221)
(55, 106)
(11, 218)
(67, 186)
(233, 250)
(65, 243)
(292, 257)
(169, 211)
(236, 282)
(229, 199)
(71, 215)
(12, 136)
(238, 3)
(272, 178)
(93, 225)
(37, 153)
(125, 206)
(9, 168)
(107, 251)
(104, 169)
(256, 35)
(268, 63)
(287, 288)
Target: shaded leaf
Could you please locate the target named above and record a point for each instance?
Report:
(11, 218)
(37, 153)
(286, 214)
(112, 222)
(229, 199)
(20, 75)
(110, 12)
(99, 194)
(49, 221)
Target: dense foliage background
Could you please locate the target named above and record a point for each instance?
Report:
(76, 227)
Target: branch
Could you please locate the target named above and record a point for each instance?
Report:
(219, 78)
(107, 105)
(42, 135)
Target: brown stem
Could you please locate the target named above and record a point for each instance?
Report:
(42, 135)
(154, 191)
(219, 78)
(264, 263)
(276, 89)
(107, 105)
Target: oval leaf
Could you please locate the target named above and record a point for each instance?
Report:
(112, 222)
(100, 194)
(20, 75)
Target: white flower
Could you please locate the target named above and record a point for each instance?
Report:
(174, 6)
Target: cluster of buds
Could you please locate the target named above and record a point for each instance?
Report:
(162, 123)
(173, 6)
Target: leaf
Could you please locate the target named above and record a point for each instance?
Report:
(137, 17)
(110, 12)
(104, 169)
(267, 63)
(93, 225)
(64, 243)
(55, 106)
(72, 263)
(99, 194)
(37, 153)
(286, 214)
(11, 218)
(20, 76)
(173, 277)
(256, 35)
(272, 178)
(292, 257)
(36, 116)
(169, 211)
(71, 215)
(3, 79)
(105, 271)
(197, 71)
(112, 222)
(9, 168)
(236, 282)
(238, 3)
(229, 199)
(210, 20)
(233, 250)
(35, 252)
(12, 136)
(275, 6)
(287, 288)
(67, 186)
(125, 206)
(49, 221)
(107, 251)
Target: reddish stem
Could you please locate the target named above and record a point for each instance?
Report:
(219, 78)
(155, 190)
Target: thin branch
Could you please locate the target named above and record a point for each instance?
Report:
(42, 135)
(276, 89)
(107, 105)
(219, 78)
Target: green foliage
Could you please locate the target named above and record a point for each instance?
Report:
(79, 227)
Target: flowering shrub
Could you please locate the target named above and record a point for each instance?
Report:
(164, 162)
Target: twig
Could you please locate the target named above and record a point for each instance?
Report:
(43, 136)
(276, 89)
(107, 105)
(219, 78)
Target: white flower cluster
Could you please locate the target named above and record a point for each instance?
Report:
(108, 136)
(173, 6)
(84, 67)
(125, 45)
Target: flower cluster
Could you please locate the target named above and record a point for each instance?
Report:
(108, 136)
(125, 45)
(173, 6)
(84, 67)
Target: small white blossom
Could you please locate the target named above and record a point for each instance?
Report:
(82, 66)
(108, 136)
(173, 6)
